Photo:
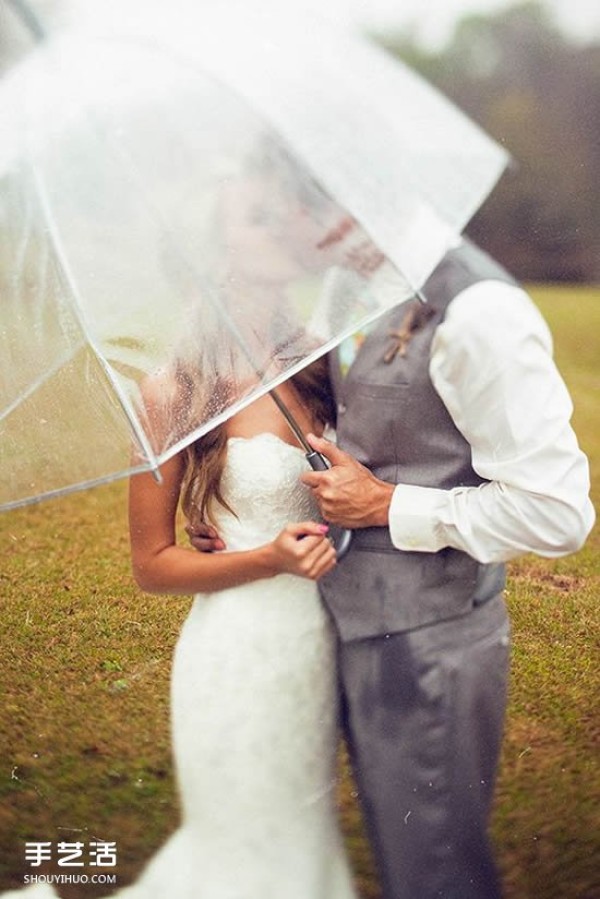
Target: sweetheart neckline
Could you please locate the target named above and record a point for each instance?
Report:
(269, 434)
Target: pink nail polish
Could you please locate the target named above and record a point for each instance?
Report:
(323, 528)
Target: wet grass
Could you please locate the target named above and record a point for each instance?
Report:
(84, 678)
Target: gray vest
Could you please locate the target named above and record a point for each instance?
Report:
(391, 419)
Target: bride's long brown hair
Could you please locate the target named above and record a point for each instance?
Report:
(205, 458)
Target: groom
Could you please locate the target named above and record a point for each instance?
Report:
(454, 453)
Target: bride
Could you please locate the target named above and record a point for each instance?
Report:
(254, 681)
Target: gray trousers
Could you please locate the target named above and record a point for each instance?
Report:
(423, 715)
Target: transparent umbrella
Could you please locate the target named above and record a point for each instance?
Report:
(195, 213)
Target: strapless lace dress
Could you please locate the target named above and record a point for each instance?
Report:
(254, 716)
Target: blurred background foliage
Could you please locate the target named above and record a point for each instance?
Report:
(533, 89)
(537, 93)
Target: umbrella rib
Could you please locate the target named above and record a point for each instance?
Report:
(35, 385)
(121, 396)
(72, 488)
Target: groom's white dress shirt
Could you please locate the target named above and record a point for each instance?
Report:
(491, 364)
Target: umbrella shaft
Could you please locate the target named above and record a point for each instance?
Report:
(291, 421)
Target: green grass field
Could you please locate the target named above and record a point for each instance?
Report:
(84, 674)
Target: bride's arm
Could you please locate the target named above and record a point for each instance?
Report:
(161, 566)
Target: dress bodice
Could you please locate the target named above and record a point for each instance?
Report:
(261, 483)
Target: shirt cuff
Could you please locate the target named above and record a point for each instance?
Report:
(415, 518)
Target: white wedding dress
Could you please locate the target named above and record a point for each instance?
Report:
(254, 716)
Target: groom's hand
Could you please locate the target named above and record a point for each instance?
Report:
(348, 494)
(204, 538)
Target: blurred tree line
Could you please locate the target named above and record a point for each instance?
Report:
(538, 94)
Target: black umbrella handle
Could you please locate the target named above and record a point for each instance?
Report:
(340, 537)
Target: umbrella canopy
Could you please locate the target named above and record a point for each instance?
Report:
(189, 215)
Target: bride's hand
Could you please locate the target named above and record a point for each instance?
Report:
(302, 548)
